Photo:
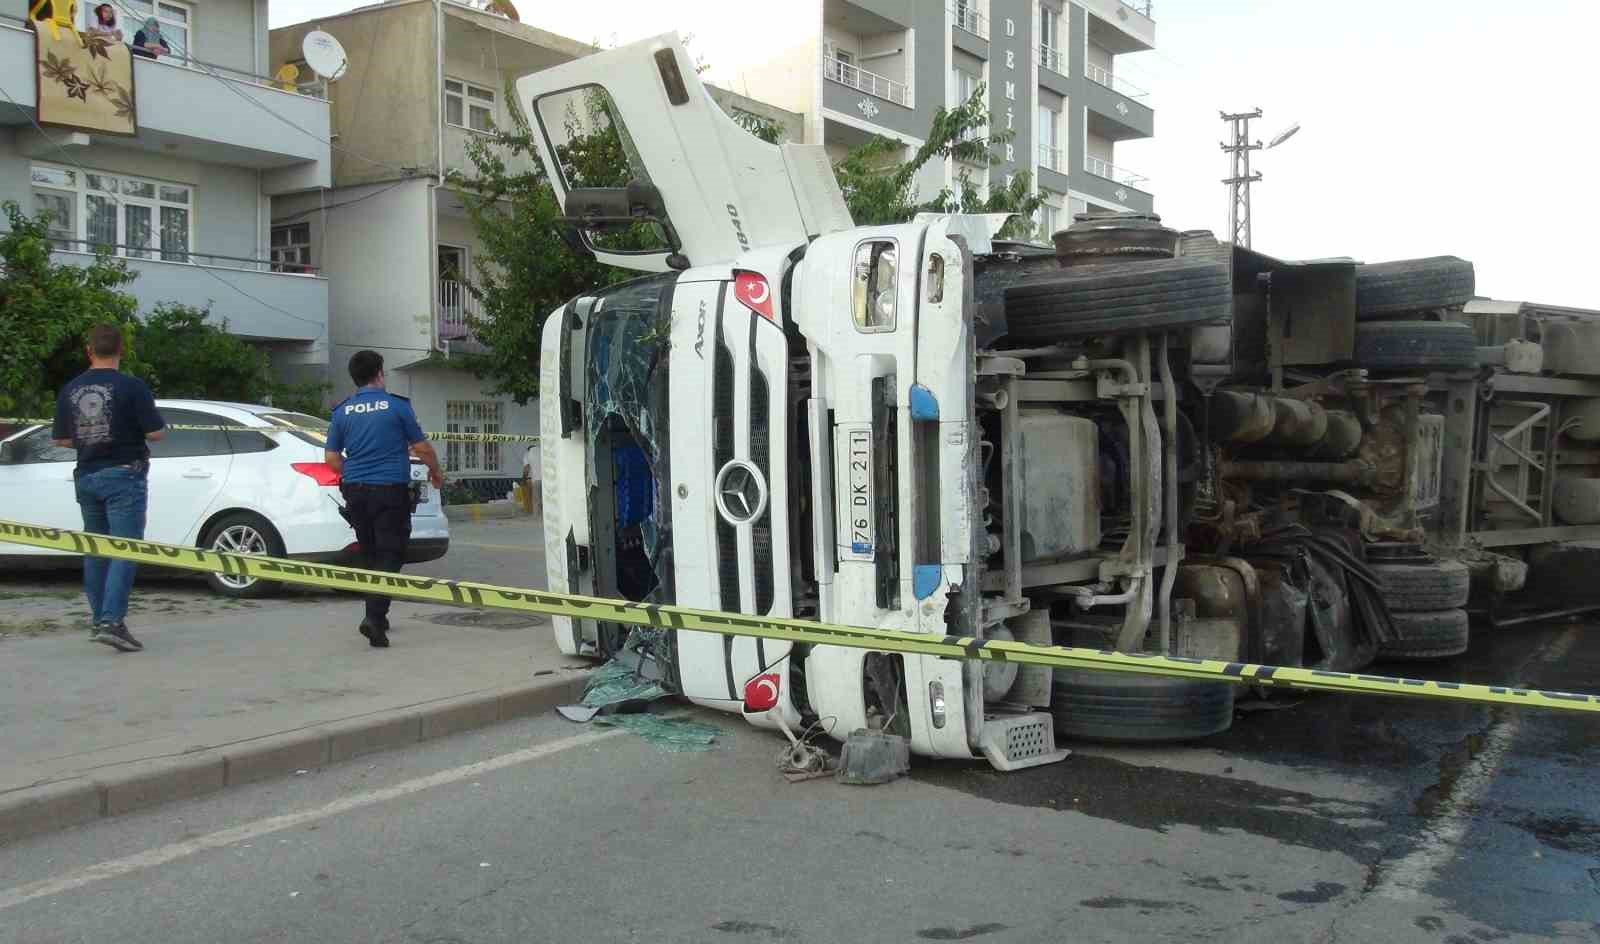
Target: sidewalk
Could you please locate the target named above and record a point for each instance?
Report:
(227, 692)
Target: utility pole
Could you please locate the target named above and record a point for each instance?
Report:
(1240, 177)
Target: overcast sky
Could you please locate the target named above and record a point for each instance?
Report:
(1430, 127)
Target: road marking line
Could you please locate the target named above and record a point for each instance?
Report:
(21, 894)
(1406, 879)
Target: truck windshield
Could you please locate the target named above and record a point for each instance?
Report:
(626, 400)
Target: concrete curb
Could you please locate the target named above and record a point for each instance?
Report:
(49, 807)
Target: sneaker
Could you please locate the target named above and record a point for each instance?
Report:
(377, 636)
(94, 631)
(116, 636)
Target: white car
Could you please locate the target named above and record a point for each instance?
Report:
(264, 489)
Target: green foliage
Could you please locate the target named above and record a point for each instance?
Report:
(880, 188)
(764, 128)
(47, 309)
(525, 269)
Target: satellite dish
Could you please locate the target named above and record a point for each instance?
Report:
(324, 55)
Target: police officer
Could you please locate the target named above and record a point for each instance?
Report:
(370, 442)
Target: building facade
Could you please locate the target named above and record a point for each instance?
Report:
(424, 79)
(885, 67)
(185, 200)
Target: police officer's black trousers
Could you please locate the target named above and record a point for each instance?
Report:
(381, 516)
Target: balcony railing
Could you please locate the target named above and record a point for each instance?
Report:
(968, 18)
(182, 257)
(1050, 157)
(1103, 76)
(1140, 6)
(1104, 168)
(1053, 59)
(458, 307)
(860, 79)
(308, 86)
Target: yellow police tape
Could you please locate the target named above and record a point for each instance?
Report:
(466, 593)
(436, 437)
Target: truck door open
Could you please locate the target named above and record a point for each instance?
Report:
(655, 176)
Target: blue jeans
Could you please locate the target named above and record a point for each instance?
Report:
(113, 502)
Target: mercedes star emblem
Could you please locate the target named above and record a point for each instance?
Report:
(741, 492)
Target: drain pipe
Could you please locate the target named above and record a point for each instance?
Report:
(1169, 488)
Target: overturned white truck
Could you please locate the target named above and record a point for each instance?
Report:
(1138, 439)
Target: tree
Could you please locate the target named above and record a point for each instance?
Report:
(880, 188)
(185, 354)
(46, 311)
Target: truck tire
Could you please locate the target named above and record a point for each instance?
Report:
(1409, 345)
(1388, 288)
(1435, 635)
(1423, 587)
(1131, 297)
(1094, 705)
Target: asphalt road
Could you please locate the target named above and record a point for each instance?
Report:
(1326, 819)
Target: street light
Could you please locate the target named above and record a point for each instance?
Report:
(1283, 135)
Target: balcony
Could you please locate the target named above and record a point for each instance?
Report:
(1103, 76)
(201, 110)
(968, 18)
(1052, 158)
(1053, 59)
(861, 80)
(258, 298)
(1109, 171)
(1121, 26)
(458, 309)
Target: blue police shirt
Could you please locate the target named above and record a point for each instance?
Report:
(373, 429)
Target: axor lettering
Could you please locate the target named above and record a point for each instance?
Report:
(700, 331)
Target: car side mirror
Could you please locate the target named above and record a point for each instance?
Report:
(11, 452)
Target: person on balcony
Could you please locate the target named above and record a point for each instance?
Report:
(105, 21)
(148, 42)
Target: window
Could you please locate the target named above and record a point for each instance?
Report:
(1049, 216)
(472, 416)
(468, 106)
(138, 218)
(192, 442)
(37, 446)
(1049, 138)
(1052, 53)
(291, 248)
(176, 21)
(966, 84)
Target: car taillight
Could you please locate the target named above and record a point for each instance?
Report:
(324, 473)
(752, 291)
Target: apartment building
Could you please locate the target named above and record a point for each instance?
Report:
(425, 77)
(884, 67)
(185, 198)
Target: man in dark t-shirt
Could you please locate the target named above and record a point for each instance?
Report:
(109, 418)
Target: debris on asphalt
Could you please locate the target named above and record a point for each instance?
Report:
(873, 757)
(620, 692)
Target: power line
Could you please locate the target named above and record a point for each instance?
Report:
(302, 214)
(115, 202)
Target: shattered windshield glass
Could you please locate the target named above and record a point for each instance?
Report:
(626, 430)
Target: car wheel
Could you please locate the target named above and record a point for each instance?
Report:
(1419, 636)
(242, 533)
(1119, 706)
(1389, 288)
(1121, 299)
(1411, 345)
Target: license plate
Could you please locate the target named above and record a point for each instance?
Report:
(858, 523)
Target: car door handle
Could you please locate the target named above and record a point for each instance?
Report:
(197, 474)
